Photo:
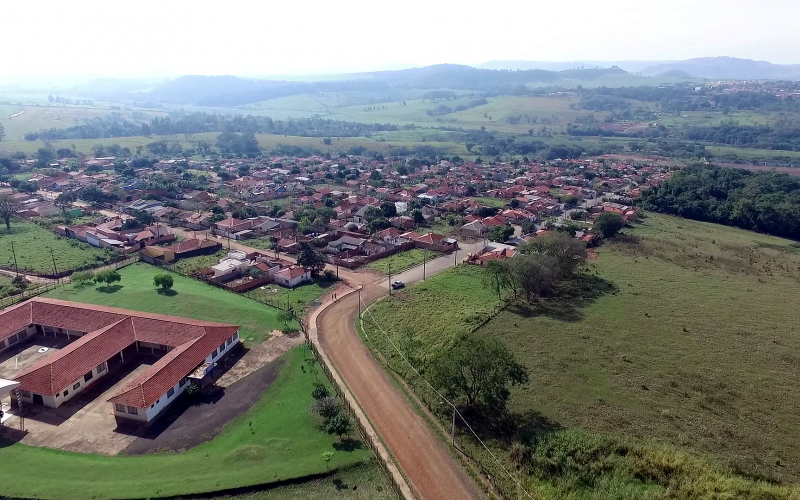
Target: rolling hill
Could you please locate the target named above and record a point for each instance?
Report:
(729, 68)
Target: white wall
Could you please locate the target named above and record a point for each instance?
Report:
(140, 416)
(230, 343)
(6, 342)
(60, 398)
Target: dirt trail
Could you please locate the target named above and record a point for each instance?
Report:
(423, 458)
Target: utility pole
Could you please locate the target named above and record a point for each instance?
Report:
(453, 431)
(16, 267)
(423, 264)
(55, 271)
(389, 272)
(360, 286)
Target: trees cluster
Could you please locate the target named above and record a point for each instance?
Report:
(332, 417)
(107, 277)
(766, 202)
(783, 136)
(544, 263)
(310, 259)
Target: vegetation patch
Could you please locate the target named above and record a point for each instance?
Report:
(402, 260)
(33, 244)
(275, 441)
(187, 297)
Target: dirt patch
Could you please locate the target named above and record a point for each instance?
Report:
(258, 356)
(192, 422)
(591, 254)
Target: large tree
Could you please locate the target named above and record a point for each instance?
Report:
(64, 202)
(310, 258)
(500, 234)
(609, 224)
(479, 369)
(8, 209)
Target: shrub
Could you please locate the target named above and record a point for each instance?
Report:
(320, 392)
(340, 425)
(82, 277)
(163, 280)
(326, 408)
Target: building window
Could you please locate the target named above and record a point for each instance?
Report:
(222, 348)
(88, 377)
(13, 339)
(230, 341)
(101, 367)
(235, 335)
(214, 354)
(171, 392)
(25, 394)
(119, 408)
(182, 382)
(22, 334)
(66, 392)
(76, 385)
(132, 410)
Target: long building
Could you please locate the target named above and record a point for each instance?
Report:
(104, 337)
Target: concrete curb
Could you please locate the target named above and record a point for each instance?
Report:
(362, 417)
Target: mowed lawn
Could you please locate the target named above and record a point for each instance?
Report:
(189, 298)
(32, 245)
(695, 347)
(276, 440)
(402, 261)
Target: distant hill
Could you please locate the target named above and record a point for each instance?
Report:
(729, 68)
(675, 73)
(384, 85)
(629, 66)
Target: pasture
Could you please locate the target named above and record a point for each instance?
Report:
(33, 245)
(276, 440)
(685, 350)
(189, 298)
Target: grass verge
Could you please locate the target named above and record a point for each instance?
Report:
(402, 260)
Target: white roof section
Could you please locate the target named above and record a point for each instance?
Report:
(6, 386)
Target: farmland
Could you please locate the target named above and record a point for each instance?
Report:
(188, 298)
(256, 448)
(33, 244)
(685, 355)
(401, 261)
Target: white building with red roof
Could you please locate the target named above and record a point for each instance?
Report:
(103, 338)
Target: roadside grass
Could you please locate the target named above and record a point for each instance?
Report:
(401, 260)
(7, 288)
(299, 298)
(191, 265)
(679, 378)
(262, 243)
(189, 298)
(32, 245)
(276, 440)
(360, 482)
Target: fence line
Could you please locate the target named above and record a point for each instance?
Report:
(354, 418)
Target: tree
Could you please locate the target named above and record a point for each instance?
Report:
(327, 456)
(63, 202)
(609, 224)
(339, 425)
(497, 277)
(163, 280)
(514, 203)
(107, 277)
(478, 368)
(27, 187)
(326, 407)
(82, 277)
(566, 252)
(285, 316)
(416, 214)
(389, 209)
(310, 259)
(500, 234)
(8, 209)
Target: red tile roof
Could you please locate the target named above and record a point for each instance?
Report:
(111, 330)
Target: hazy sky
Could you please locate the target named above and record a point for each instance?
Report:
(269, 37)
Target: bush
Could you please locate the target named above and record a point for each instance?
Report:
(108, 276)
(321, 392)
(340, 425)
(326, 408)
(82, 277)
(163, 280)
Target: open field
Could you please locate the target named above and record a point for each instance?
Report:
(276, 440)
(300, 297)
(361, 482)
(492, 202)
(401, 261)
(32, 244)
(685, 351)
(189, 298)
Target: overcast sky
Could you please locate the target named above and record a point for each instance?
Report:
(280, 37)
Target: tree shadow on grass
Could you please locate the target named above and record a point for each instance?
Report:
(507, 427)
(568, 300)
(169, 292)
(109, 289)
(348, 445)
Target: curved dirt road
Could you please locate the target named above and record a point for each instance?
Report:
(430, 469)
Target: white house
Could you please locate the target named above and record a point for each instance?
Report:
(292, 276)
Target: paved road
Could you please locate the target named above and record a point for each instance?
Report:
(423, 458)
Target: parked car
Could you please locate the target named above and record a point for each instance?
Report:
(397, 284)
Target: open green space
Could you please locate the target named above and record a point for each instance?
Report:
(679, 380)
(33, 245)
(360, 482)
(401, 261)
(299, 297)
(189, 298)
(492, 202)
(191, 265)
(276, 440)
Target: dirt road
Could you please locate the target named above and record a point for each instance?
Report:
(423, 458)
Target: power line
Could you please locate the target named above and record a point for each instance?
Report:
(455, 410)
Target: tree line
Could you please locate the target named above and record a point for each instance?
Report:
(766, 202)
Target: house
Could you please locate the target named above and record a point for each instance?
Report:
(432, 241)
(402, 222)
(102, 339)
(345, 243)
(292, 276)
(475, 229)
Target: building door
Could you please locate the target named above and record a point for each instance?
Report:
(37, 399)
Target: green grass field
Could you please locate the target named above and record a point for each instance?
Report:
(401, 260)
(276, 440)
(32, 245)
(300, 297)
(492, 202)
(361, 482)
(191, 299)
(690, 360)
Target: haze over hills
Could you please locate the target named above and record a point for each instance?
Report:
(629, 66)
(728, 68)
